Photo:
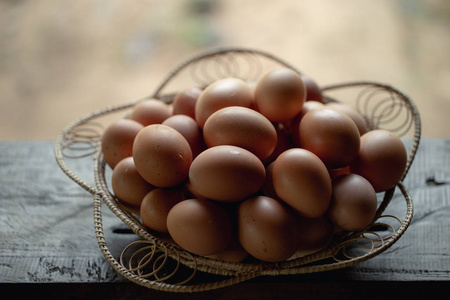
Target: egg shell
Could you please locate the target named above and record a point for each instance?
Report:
(185, 100)
(118, 139)
(313, 91)
(267, 229)
(381, 159)
(233, 253)
(314, 234)
(127, 184)
(283, 143)
(280, 94)
(301, 180)
(222, 93)
(190, 130)
(331, 135)
(360, 121)
(156, 205)
(200, 226)
(354, 202)
(162, 155)
(226, 173)
(242, 127)
(151, 111)
(295, 122)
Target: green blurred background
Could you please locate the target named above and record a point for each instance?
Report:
(60, 59)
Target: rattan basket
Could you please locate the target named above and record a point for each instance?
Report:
(155, 263)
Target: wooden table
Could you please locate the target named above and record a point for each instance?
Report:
(48, 247)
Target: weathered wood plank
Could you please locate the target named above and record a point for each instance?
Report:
(46, 223)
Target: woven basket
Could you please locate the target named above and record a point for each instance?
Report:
(158, 264)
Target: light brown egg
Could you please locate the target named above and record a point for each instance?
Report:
(189, 129)
(280, 94)
(267, 229)
(233, 253)
(301, 180)
(283, 143)
(242, 127)
(295, 122)
(354, 202)
(381, 159)
(331, 135)
(127, 184)
(358, 118)
(162, 155)
(222, 93)
(156, 205)
(200, 226)
(313, 92)
(226, 173)
(118, 139)
(184, 102)
(150, 111)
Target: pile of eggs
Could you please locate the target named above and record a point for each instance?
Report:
(260, 169)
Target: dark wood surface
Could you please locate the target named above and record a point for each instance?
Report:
(49, 250)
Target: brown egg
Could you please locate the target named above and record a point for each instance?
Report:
(150, 111)
(226, 173)
(313, 92)
(340, 171)
(184, 102)
(200, 226)
(280, 94)
(222, 93)
(127, 184)
(242, 127)
(314, 234)
(354, 202)
(295, 122)
(358, 118)
(331, 135)
(233, 253)
(301, 180)
(162, 155)
(156, 205)
(283, 143)
(268, 188)
(267, 229)
(117, 140)
(381, 159)
(189, 129)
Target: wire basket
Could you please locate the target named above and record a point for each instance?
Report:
(155, 263)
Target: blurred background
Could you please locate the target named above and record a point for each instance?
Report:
(60, 59)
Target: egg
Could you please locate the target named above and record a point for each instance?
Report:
(226, 173)
(162, 155)
(200, 226)
(331, 135)
(280, 94)
(189, 129)
(151, 111)
(356, 116)
(301, 180)
(127, 184)
(222, 93)
(118, 139)
(283, 143)
(295, 122)
(381, 159)
(267, 229)
(242, 127)
(314, 234)
(354, 202)
(233, 253)
(185, 100)
(156, 205)
(313, 92)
